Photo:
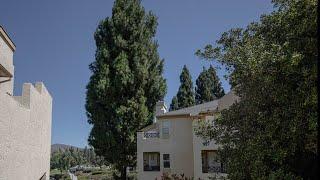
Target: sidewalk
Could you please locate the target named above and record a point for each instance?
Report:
(72, 176)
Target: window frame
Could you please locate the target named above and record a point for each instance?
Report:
(165, 130)
(151, 155)
(166, 160)
(205, 162)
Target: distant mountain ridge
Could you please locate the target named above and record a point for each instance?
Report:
(62, 147)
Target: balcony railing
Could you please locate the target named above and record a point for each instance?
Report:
(151, 168)
(151, 135)
(213, 169)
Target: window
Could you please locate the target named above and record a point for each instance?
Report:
(166, 160)
(151, 161)
(165, 129)
(210, 163)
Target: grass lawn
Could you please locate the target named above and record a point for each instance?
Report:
(102, 174)
(57, 171)
(58, 175)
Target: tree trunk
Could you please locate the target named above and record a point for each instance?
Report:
(124, 173)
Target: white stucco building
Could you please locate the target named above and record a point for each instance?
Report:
(25, 123)
(170, 144)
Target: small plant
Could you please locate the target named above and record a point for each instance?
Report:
(216, 177)
(167, 176)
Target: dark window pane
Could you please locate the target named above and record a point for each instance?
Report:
(151, 161)
(166, 164)
(210, 163)
(166, 160)
(166, 157)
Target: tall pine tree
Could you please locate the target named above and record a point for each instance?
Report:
(174, 104)
(185, 95)
(215, 83)
(126, 82)
(208, 86)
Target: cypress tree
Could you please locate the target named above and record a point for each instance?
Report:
(126, 82)
(202, 89)
(208, 86)
(174, 104)
(185, 93)
(215, 84)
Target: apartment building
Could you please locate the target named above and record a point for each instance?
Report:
(170, 145)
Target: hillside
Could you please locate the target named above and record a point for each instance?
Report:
(56, 147)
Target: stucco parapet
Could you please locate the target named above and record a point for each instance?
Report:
(42, 89)
(29, 92)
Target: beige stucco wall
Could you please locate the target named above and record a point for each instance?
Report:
(25, 125)
(183, 145)
(178, 145)
(198, 147)
(6, 60)
(25, 133)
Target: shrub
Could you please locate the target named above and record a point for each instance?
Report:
(167, 176)
(97, 172)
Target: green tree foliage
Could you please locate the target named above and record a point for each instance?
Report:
(208, 86)
(185, 95)
(272, 132)
(126, 82)
(174, 104)
(64, 159)
(56, 161)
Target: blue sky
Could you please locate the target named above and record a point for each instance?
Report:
(55, 45)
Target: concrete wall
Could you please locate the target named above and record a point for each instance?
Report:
(178, 145)
(25, 125)
(6, 60)
(25, 133)
(197, 148)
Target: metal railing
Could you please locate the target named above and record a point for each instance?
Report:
(151, 168)
(213, 169)
(151, 134)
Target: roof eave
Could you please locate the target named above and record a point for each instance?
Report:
(187, 115)
(184, 115)
(7, 39)
(4, 72)
(147, 127)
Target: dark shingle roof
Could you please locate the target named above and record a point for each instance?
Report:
(216, 105)
(194, 110)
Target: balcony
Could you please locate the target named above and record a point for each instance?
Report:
(151, 134)
(213, 169)
(151, 168)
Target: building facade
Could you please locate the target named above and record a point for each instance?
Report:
(170, 145)
(25, 123)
